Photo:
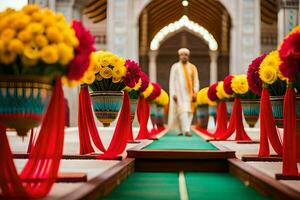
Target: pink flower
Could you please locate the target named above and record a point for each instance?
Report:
(81, 61)
(156, 91)
(132, 76)
(145, 81)
(212, 92)
(227, 84)
(254, 82)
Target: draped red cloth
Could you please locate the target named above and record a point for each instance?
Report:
(86, 124)
(268, 129)
(40, 171)
(236, 123)
(122, 131)
(221, 121)
(143, 111)
(289, 157)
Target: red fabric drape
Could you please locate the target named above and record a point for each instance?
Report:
(268, 129)
(289, 136)
(236, 123)
(143, 111)
(122, 131)
(86, 124)
(221, 121)
(31, 139)
(40, 171)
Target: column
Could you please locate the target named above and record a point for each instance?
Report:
(152, 65)
(213, 66)
(287, 17)
(65, 7)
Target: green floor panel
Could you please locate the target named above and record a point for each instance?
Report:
(147, 186)
(214, 186)
(171, 141)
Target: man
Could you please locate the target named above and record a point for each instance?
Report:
(184, 85)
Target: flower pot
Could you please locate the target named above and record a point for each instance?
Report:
(160, 114)
(133, 104)
(251, 109)
(202, 116)
(106, 105)
(153, 113)
(23, 101)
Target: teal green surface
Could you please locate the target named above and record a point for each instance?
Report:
(147, 186)
(213, 186)
(172, 141)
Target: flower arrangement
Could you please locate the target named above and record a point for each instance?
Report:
(254, 81)
(239, 84)
(148, 91)
(212, 92)
(202, 98)
(35, 41)
(162, 99)
(106, 72)
(155, 92)
(270, 74)
(227, 85)
(221, 93)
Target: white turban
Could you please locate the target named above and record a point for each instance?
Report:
(184, 50)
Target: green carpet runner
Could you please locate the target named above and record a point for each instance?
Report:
(171, 141)
(200, 186)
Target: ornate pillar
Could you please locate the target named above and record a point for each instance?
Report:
(213, 66)
(287, 17)
(152, 65)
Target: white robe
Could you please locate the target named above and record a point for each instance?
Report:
(178, 87)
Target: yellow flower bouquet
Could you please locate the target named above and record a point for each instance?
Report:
(106, 72)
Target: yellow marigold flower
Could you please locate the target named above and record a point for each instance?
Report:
(70, 37)
(148, 91)
(53, 34)
(48, 21)
(21, 22)
(99, 77)
(119, 72)
(16, 46)
(106, 73)
(162, 99)
(105, 61)
(7, 34)
(31, 51)
(268, 74)
(272, 60)
(66, 53)
(239, 84)
(28, 62)
(7, 57)
(202, 98)
(30, 8)
(49, 54)
(41, 41)
(35, 28)
(89, 77)
(127, 89)
(221, 92)
(60, 17)
(25, 36)
(37, 16)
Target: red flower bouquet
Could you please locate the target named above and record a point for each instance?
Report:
(212, 92)
(254, 81)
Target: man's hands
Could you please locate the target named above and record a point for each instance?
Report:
(175, 98)
(193, 98)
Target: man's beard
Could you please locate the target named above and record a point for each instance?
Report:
(184, 61)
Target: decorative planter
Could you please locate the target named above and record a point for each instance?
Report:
(277, 108)
(23, 101)
(153, 113)
(160, 115)
(133, 104)
(106, 105)
(251, 108)
(202, 116)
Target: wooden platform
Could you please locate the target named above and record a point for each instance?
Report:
(271, 158)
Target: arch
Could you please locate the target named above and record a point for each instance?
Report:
(184, 21)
